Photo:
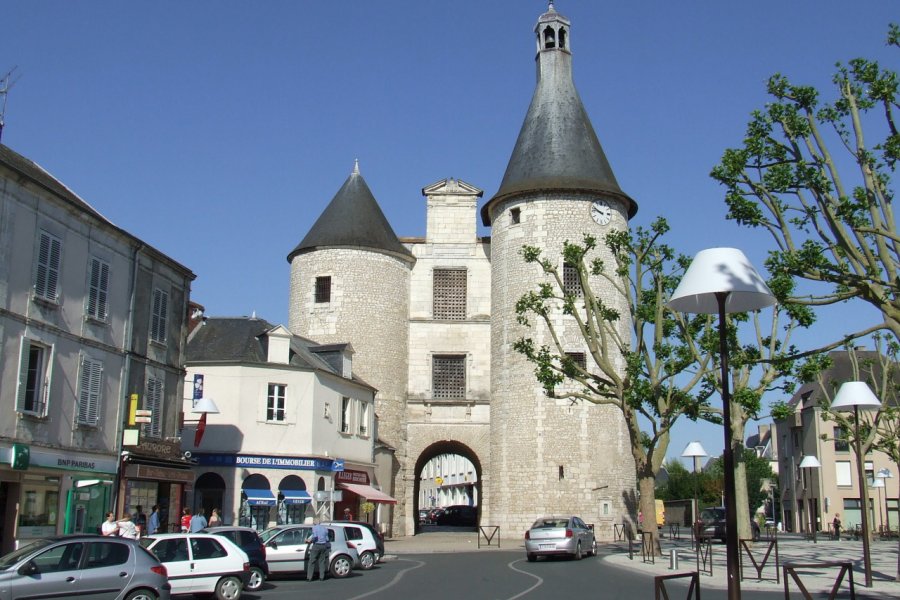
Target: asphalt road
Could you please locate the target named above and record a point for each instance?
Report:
(497, 575)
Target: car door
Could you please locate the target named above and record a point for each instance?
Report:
(173, 553)
(209, 561)
(286, 552)
(52, 574)
(108, 568)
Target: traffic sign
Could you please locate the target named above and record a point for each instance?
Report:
(439, 480)
(143, 419)
(143, 413)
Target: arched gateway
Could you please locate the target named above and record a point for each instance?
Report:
(432, 320)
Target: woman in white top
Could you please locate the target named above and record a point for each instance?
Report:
(127, 528)
(109, 527)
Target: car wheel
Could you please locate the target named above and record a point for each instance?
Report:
(141, 595)
(228, 588)
(593, 547)
(367, 560)
(341, 566)
(257, 579)
(531, 557)
(578, 553)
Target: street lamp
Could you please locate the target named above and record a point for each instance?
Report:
(695, 451)
(856, 395)
(879, 485)
(881, 475)
(811, 462)
(720, 281)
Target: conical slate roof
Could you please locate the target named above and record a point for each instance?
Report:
(353, 219)
(557, 149)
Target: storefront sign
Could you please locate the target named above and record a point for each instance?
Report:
(265, 462)
(170, 450)
(71, 461)
(158, 473)
(352, 477)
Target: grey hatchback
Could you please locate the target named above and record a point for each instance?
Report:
(83, 566)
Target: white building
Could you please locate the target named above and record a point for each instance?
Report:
(93, 324)
(446, 480)
(293, 420)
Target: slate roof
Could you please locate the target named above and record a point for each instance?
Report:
(243, 341)
(557, 148)
(353, 219)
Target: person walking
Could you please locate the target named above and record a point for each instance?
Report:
(198, 521)
(836, 526)
(153, 522)
(127, 528)
(109, 526)
(319, 551)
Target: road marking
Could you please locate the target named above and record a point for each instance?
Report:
(393, 581)
(539, 583)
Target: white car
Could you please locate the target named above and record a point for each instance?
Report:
(287, 548)
(201, 563)
(362, 539)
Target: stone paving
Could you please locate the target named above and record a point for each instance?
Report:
(791, 549)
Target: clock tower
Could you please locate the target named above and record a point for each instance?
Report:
(548, 455)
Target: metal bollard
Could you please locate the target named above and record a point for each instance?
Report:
(673, 560)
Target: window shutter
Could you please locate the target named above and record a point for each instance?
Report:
(153, 402)
(46, 276)
(160, 314)
(89, 395)
(98, 290)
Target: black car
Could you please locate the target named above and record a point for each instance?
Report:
(248, 540)
(460, 515)
(713, 520)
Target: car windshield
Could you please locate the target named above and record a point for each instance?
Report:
(712, 514)
(13, 557)
(550, 523)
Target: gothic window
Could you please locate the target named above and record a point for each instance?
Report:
(570, 281)
(275, 402)
(448, 377)
(449, 300)
(323, 289)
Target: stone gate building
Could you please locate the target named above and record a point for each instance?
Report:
(432, 320)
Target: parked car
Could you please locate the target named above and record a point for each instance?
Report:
(83, 566)
(559, 535)
(287, 550)
(201, 563)
(459, 514)
(248, 540)
(423, 516)
(713, 520)
(367, 539)
(433, 514)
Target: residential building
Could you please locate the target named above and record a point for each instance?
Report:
(810, 497)
(446, 480)
(294, 426)
(92, 323)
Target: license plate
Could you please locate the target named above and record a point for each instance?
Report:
(547, 546)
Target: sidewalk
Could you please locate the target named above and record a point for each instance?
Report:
(791, 549)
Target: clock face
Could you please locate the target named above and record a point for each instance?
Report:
(601, 212)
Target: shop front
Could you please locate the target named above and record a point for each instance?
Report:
(363, 501)
(50, 491)
(154, 472)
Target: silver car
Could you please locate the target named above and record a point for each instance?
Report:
(559, 535)
(83, 566)
(287, 550)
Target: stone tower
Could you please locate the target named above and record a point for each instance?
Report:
(549, 455)
(350, 282)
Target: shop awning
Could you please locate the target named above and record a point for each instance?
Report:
(259, 497)
(295, 496)
(368, 492)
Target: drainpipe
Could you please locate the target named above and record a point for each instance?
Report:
(124, 383)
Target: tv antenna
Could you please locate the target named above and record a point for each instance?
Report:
(5, 86)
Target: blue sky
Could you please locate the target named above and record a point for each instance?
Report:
(218, 131)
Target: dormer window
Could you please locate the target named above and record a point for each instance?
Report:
(549, 38)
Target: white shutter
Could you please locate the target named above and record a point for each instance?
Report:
(89, 393)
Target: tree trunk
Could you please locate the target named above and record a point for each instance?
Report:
(647, 488)
(741, 498)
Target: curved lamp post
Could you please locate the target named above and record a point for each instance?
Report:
(720, 281)
(811, 462)
(856, 396)
(695, 451)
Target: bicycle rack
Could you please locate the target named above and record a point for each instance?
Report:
(759, 566)
(648, 552)
(846, 567)
(489, 538)
(704, 555)
(661, 593)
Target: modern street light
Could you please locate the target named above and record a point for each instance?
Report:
(811, 462)
(720, 281)
(856, 395)
(695, 451)
(879, 485)
(881, 475)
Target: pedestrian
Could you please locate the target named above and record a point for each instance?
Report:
(318, 553)
(214, 518)
(185, 520)
(198, 521)
(140, 520)
(127, 528)
(109, 526)
(348, 516)
(836, 526)
(153, 522)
